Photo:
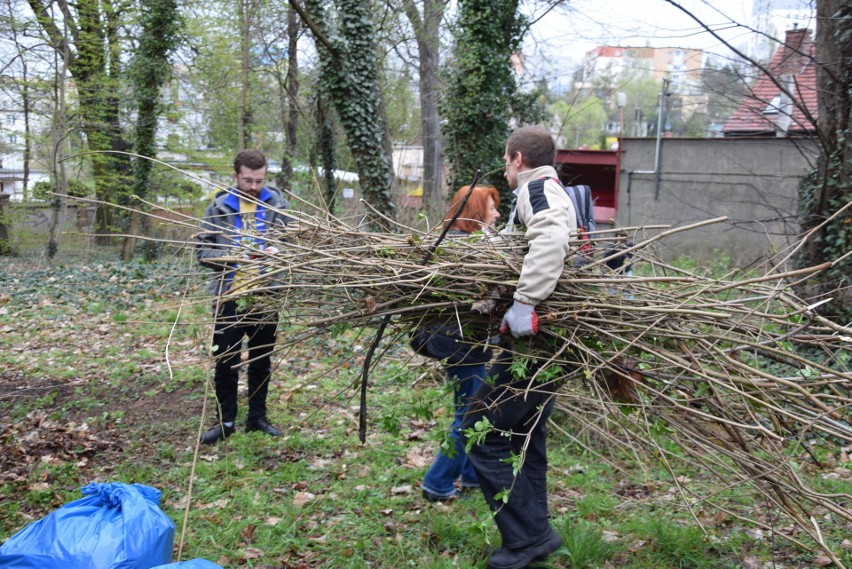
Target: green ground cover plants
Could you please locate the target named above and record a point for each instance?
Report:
(103, 377)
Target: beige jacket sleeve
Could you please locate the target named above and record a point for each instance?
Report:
(550, 219)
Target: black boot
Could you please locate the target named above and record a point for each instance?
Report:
(217, 433)
(263, 425)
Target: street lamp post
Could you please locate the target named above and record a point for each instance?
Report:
(621, 101)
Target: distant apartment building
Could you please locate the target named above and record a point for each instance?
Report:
(607, 67)
(681, 66)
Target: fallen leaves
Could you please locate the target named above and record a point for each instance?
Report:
(417, 457)
(302, 498)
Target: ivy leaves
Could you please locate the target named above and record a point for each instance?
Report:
(482, 93)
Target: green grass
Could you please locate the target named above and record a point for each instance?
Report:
(316, 497)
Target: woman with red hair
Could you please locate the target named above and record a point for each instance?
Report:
(480, 212)
(464, 360)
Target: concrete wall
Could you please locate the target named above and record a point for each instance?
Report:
(752, 181)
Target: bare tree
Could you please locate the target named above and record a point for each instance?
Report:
(86, 35)
(426, 21)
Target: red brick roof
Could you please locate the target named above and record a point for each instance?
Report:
(764, 111)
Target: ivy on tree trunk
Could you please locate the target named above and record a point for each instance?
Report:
(477, 104)
(149, 71)
(94, 62)
(829, 187)
(349, 77)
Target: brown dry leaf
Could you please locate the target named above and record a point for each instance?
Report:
(247, 535)
(401, 490)
(272, 520)
(752, 562)
(418, 457)
(252, 553)
(719, 518)
(822, 561)
(302, 498)
(370, 303)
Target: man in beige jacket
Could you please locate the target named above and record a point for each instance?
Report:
(511, 459)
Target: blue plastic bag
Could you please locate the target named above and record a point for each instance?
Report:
(196, 563)
(116, 526)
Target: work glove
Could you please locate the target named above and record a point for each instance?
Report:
(521, 319)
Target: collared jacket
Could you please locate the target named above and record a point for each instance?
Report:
(549, 218)
(220, 231)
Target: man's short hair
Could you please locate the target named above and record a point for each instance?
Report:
(535, 145)
(251, 159)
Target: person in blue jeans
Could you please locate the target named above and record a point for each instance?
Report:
(439, 483)
(464, 359)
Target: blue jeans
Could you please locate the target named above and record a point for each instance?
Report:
(506, 403)
(441, 478)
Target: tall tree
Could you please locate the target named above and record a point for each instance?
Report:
(348, 65)
(481, 90)
(149, 71)
(290, 102)
(247, 9)
(827, 191)
(279, 57)
(86, 34)
(426, 22)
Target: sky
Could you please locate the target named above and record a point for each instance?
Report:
(559, 39)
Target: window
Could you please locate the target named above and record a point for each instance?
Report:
(10, 118)
(772, 107)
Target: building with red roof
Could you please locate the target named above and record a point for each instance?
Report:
(783, 100)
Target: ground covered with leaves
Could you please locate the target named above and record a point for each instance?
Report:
(103, 377)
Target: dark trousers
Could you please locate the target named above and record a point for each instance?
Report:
(509, 406)
(230, 329)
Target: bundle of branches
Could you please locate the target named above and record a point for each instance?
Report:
(734, 375)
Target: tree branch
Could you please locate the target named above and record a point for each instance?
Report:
(319, 34)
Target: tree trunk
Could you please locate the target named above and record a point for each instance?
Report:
(58, 129)
(28, 138)
(349, 76)
(325, 150)
(829, 187)
(243, 120)
(426, 31)
(291, 86)
(150, 70)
